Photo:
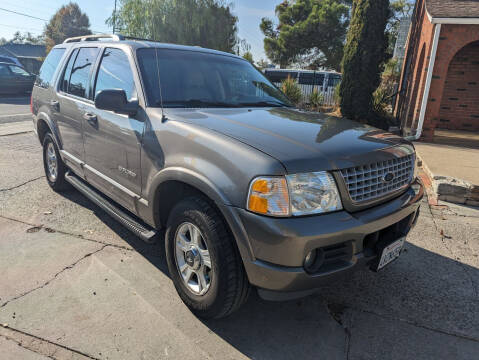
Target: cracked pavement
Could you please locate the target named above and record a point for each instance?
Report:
(76, 285)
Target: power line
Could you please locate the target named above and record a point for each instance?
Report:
(35, 10)
(22, 14)
(34, 17)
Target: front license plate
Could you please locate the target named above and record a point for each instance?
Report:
(391, 252)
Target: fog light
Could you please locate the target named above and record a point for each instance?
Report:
(310, 259)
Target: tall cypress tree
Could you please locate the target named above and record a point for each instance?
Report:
(364, 55)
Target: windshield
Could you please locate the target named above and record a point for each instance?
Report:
(198, 79)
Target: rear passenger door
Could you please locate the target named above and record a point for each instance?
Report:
(74, 100)
(112, 140)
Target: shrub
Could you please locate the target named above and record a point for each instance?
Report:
(292, 90)
(316, 99)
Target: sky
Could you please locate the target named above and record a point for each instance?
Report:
(249, 13)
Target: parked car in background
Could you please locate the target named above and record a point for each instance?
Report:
(15, 79)
(252, 192)
(10, 60)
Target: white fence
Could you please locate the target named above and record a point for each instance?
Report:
(306, 90)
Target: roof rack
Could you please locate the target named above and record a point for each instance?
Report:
(95, 37)
(126, 37)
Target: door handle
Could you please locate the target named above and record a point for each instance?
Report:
(91, 118)
(55, 104)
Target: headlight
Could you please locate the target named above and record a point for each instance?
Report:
(298, 194)
(313, 193)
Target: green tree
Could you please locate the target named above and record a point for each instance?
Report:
(25, 38)
(67, 22)
(207, 23)
(364, 55)
(248, 56)
(307, 29)
(262, 64)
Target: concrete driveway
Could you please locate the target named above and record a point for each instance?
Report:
(75, 285)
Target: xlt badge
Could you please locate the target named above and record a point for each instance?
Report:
(126, 171)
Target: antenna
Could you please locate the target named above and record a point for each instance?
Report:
(163, 117)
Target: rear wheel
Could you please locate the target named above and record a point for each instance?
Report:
(54, 167)
(203, 261)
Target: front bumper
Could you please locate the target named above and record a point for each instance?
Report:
(279, 245)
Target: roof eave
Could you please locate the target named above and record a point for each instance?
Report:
(451, 20)
(464, 21)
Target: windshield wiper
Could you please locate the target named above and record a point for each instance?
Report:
(195, 103)
(268, 103)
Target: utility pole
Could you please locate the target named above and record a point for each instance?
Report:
(114, 18)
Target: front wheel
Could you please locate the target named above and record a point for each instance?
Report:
(54, 167)
(203, 261)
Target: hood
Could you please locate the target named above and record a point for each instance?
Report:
(302, 141)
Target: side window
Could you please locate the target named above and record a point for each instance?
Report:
(80, 73)
(68, 71)
(49, 66)
(115, 73)
(17, 70)
(4, 70)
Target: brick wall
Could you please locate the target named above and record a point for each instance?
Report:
(463, 85)
(460, 100)
(452, 41)
(414, 70)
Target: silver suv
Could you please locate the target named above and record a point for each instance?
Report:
(251, 191)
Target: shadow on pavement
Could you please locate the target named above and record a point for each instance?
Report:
(422, 288)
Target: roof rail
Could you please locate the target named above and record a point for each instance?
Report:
(126, 37)
(95, 37)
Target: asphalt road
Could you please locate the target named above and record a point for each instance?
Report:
(14, 109)
(74, 284)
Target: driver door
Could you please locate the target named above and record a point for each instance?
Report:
(113, 141)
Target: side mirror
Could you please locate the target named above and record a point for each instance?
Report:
(115, 100)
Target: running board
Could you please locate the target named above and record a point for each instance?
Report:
(142, 231)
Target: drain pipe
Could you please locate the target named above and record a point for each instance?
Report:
(430, 69)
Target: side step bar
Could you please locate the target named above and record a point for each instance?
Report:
(142, 231)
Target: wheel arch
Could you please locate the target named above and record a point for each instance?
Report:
(173, 184)
(45, 125)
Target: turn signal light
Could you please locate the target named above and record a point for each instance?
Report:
(269, 196)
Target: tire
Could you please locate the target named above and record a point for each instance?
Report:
(51, 156)
(227, 286)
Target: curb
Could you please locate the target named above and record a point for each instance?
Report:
(15, 128)
(446, 188)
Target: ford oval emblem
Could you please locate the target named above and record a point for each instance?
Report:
(388, 177)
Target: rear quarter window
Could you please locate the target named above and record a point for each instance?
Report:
(49, 67)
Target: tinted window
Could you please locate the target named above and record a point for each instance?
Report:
(49, 66)
(80, 73)
(68, 71)
(4, 70)
(200, 79)
(308, 78)
(115, 73)
(17, 70)
(278, 76)
(334, 80)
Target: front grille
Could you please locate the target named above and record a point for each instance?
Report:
(369, 182)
